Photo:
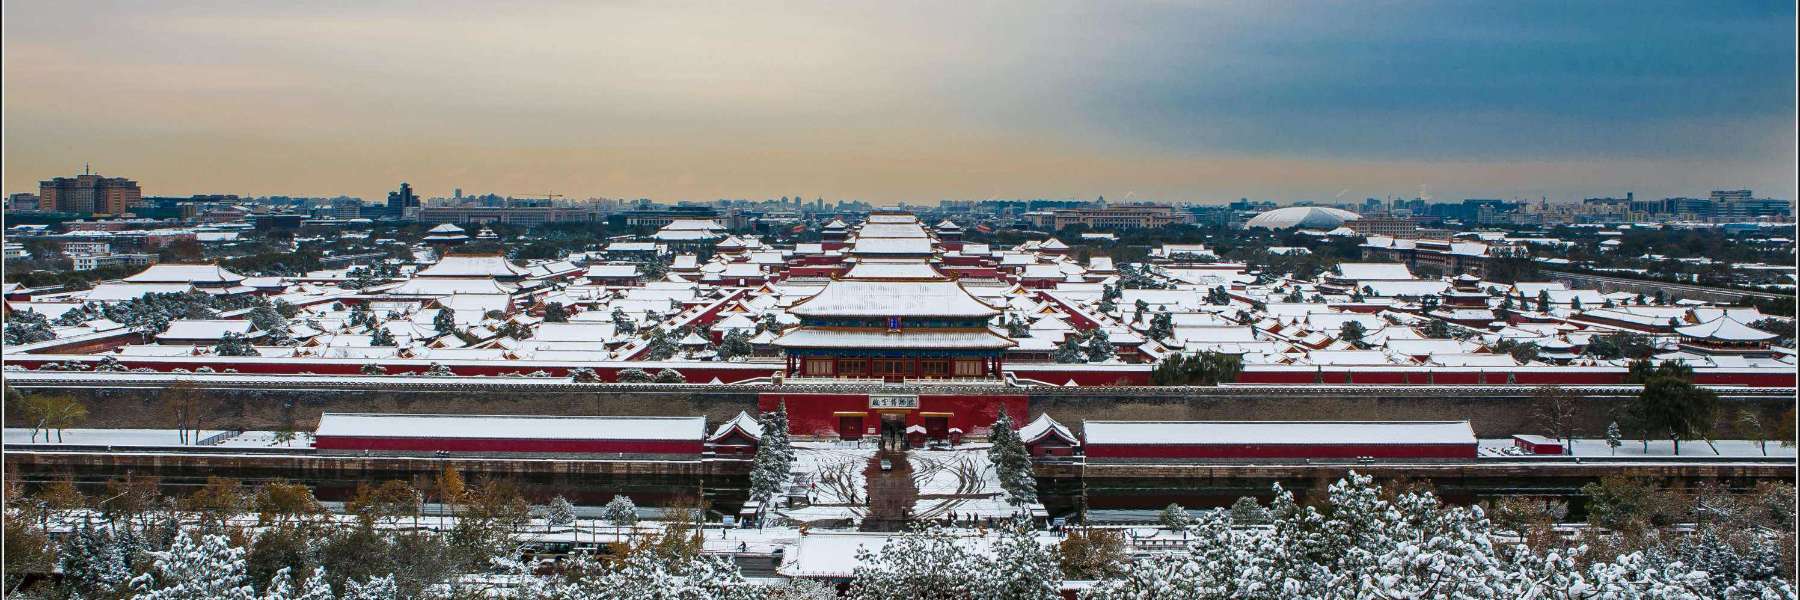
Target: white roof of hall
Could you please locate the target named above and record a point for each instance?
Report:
(474, 266)
(1726, 329)
(446, 228)
(930, 339)
(1375, 271)
(511, 427)
(1277, 432)
(893, 218)
(693, 225)
(891, 230)
(853, 298)
(742, 421)
(867, 246)
(893, 269)
(1312, 217)
(1044, 425)
(177, 273)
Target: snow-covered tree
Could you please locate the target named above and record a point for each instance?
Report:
(444, 322)
(382, 337)
(1175, 516)
(555, 313)
(925, 563)
(670, 376)
(1099, 346)
(583, 375)
(560, 513)
(374, 588)
(438, 370)
(635, 376)
(620, 511)
(92, 564)
(735, 345)
(205, 569)
(27, 327)
(373, 369)
(234, 344)
(774, 461)
(1247, 512)
(622, 322)
(271, 322)
(661, 346)
(1070, 350)
(1012, 462)
(1613, 437)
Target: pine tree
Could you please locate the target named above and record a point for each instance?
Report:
(620, 511)
(622, 322)
(735, 345)
(1175, 517)
(1070, 350)
(560, 513)
(555, 313)
(444, 322)
(661, 347)
(382, 337)
(1612, 437)
(27, 327)
(670, 376)
(205, 569)
(93, 564)
(374, 588)
(1246, 511)
(1012, 462)
(234, 344)
(1099, 346)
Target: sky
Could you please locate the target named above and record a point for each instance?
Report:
(905, 101)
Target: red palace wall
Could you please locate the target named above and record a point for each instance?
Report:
(817, 414)
(384, 444)
(1253, 451)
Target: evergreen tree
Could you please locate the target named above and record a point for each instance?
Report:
(206, 569)
(1612, 437)
(1162, 326)
(634, 376)
(1352, 333)
(622, 322)
(1012, 462)
(234, 344)
(735, 345)
(27, 327)
(444, 322)
(374, 588)
(92, 564)
(272, 323)
(1247, 512)
(560, 512)
(1099, 346)
(1070, 351)
(661, 346)
(670, 376)
(620, 511)
(382, 337)
(1175, 517)
(555, 313)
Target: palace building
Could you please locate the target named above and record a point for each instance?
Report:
(893, 320)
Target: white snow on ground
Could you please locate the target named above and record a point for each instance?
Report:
(833, 471)
(149, 437)
(1596, 448)
(960, 481)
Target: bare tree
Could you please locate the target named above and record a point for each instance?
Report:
(1554, 409)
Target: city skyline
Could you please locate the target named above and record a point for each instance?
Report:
(1181, 103)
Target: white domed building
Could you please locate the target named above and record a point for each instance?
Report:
(1309, 217)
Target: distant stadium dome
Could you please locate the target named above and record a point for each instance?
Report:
(1310, 217)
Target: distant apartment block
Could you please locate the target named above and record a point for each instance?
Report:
(22, 201)
(90, 262)
(524, 216)
(1129, 216)
(88, 193)
(1388, 226)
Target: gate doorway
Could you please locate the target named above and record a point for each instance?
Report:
(850, 427)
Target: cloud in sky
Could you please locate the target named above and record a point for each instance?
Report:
(906, 101)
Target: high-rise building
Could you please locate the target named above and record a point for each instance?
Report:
(88, 193)
(403, 203)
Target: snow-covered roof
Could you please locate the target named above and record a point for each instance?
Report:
(893, 269)
(852, 298)
(205, 329)
(742, 422)
(808, 337)
(1374, 271)
(1725, 329)
(1277, 432)
(120, 292)
(1044, 426)
(474, 266)
(191, 274)
(877, 246)
(542, 427)
(609, 271)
